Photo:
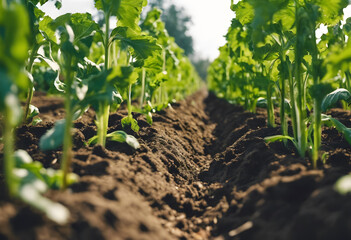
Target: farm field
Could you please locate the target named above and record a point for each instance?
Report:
(194, 177)
(107, 130)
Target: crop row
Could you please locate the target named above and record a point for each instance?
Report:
(92, 66)
(273, 58)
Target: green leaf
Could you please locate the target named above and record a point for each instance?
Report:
(60, 86)
(149, 118)
(9, 103)
(33, 111)
(261, 102)
(92, 141)
(320, 91)
(36, 121)
(331, 12)
(341, 128)
(280, 138)
(332, 98)
(21, 158)
(46, 30)
(53, 138)
(143, 46)
(118, 136)
(121, 136)
(31, 194)
(131, 122)
(127, 11)
(54, 178)
(244, 12)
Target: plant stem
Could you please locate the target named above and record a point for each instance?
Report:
(317, 112)
(301, 106)
(143, 77)
(107, 40)
(67, 142)
(130, 101)
(31, 89)
(104, 108)
(317, 130)
(8, 155)
(348, 82)
(293, 104)
(284, 126)
(270, 107)
(102, 122)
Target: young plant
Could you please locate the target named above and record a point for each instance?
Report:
(73, 45)
(127, 14)
(14, 28)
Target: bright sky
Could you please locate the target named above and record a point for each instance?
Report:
(210, 20)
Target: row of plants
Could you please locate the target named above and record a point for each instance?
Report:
(92, 65)
(273, 58)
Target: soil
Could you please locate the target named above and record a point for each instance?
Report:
(203, 171)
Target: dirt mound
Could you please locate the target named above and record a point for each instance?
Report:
(203, 172)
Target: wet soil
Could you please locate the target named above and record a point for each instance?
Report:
(203, 171)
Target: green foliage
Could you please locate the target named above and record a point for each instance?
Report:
(129, 121)
(332, 98)
(127, 11)
(272, 52)
(90, 67)
(118, 136)
(33, 180)
(53, 138)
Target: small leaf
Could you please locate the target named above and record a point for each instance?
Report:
(149, 118)
(36, 121)
(261, 102)
(54, 211)
(132, 141)
(131, 122)
(21, 158)
(332, 98)
(93, 140)
(320, 91)
(33, 111)
(53, 138)
(280, 138)
(341, 128)
(60, 86)
(121, 136)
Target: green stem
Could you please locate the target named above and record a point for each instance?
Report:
(8, 139)
(31, 89)
(317, 130)
(104, 108)
(143, 77)
(107, 40)
(102, 122)
(293, 104)
(348, 83)
(67, 143)
(317, 112)
(284, 126)
(270, 107)
(301, 106)
(130, 101)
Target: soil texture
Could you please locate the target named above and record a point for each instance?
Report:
(203, 171)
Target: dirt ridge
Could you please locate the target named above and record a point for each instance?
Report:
(203, 172)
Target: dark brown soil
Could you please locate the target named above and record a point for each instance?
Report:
(203, 172)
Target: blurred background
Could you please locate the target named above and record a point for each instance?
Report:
(198, 26)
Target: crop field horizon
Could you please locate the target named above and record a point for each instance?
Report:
(112, 127)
